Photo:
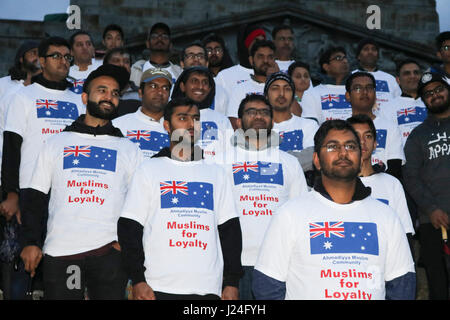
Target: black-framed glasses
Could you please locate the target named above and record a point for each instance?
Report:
(430, 93)
(216, 50)
(338, 58)
(252, 112)
(335, 147)
(359, 89)
(192, 56)
(59, 56)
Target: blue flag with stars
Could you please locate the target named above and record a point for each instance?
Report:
(89, 157)
(182, 194)
(55, 109)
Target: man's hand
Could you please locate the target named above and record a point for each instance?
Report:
(439, 218)
(31, 256)
(142, 291)
(230, 293)
(10, 207)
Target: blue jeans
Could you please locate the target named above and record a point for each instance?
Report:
(245, 284)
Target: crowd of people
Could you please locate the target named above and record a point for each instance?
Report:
(202, 178)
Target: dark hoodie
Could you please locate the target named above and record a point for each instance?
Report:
(209, 100)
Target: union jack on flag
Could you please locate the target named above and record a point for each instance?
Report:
(330, 98)
(245, 166)
(406, 111)
(77, 151)
(47, 104)
(173, 187)
(326, 229)
(139, 134)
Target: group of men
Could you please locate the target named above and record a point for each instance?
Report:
(196, 180)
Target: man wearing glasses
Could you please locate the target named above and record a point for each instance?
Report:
(427, 178)
(443, 53)
(218, 56)
(335, 242)
(160, 46)
(35, 113)
(327, 100)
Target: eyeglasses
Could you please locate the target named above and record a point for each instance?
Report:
(199, 56)
(359, 89)
(339, 58)
(253, 112)
(59, 56)
(430, 93)
(217, 50)
(163, 36)
(445, 48)
(335, 147)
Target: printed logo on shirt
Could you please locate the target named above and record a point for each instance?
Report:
(149, 140)
(334, 101)
(182, 194)
(89, 157)
(381, 86)
(54, 109)
(258, 172)
(343, 237)
(381, 138)
(209, 130)
(292, 140)
(411, 114)
(77, 86)
(385, 201)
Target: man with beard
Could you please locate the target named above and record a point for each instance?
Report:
(427, 178)
(296, 133)
(262, 60)
(179, 229)
(160, 45)
(197, 84)
(218, 55)
(443, 53)
(264, 178)
(283, 38)
(335, 242)
(360, 93)
(88, 168)
(367, 53)
(144, 127)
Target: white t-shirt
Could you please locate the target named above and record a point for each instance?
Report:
(141, 129)
(229, 77)
(173, 69)
(296, 134)
(263, 180)
(324, 250)
(180, 205)
(88, 176)
(387, 87)
(36, 113)
(239, 91)
(389, 141)
(284, 65)
(326, 102)
(6, 84)
(389, 190)
(407, 112)
(80, 76)
(220, 99)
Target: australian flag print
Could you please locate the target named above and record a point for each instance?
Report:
(292, 140)
(149, 140)
(182, 194)
(55, 109)
(381, 138)
(257, 172)
(77, 86)
(209, 130)
(411, 115)
(343, 237)
(381, 86)
(334, 101)
(89, 157)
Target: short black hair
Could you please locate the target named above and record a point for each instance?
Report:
(113, 51)
(193, 44)
(253, 97)
(279, 28)
(363, 119)
(77, 33)
(328, 125)
(401, 63)
(358, 74)
(261, 44)
(297, 64)
(177, 102)
(51, 41)
(443, 36)
(113, 27)
(159, 25)
(326, 55)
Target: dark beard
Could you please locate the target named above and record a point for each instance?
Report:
(95, 110)
(338, 175)
(440, 108)
(31, 67)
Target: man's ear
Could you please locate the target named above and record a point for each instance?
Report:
(182, 87)
(140, 93)
(397, 79)
(250, 59)
(347, 96)
(166, 125)
(84, 98)
(316, 161)
(238, 123)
